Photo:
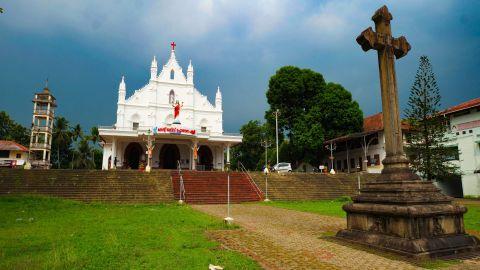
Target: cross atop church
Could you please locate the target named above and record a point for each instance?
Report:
(173, 45)
(388, 48)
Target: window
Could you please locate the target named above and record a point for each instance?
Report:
(135, 125)
(470, 131)
(345, 164)
(464, 132)
(172, 75)
(19, 156)
(171, 97)
(369, 161)
(4, 153)
(203, 129)
(339, 164)
(360, 162)
(352, 163)
(452, 153)
(376, 159)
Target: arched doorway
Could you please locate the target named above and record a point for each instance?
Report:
(205, 157)
(133, 155)
(169, 156)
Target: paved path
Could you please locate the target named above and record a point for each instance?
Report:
(287, 239)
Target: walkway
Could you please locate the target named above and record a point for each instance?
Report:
(286, 239)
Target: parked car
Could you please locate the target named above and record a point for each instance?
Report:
(283, 167)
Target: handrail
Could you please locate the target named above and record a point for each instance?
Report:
(182, 186)
(252, 182)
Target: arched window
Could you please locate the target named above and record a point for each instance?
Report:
(172, 74)
(171, 97)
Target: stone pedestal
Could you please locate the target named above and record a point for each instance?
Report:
(401, 213)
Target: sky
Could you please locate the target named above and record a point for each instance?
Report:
(84, 47)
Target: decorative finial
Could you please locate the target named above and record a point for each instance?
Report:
(173, 45)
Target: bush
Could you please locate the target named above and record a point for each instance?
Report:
(343, 199)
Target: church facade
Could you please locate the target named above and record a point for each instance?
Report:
(183, 127)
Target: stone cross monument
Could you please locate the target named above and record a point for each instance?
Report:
(400, 212)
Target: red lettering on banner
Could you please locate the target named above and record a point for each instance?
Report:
(173, 130)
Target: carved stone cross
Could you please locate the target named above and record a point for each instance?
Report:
(388, 47)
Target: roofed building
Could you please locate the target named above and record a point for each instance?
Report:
(12, 154)
(186, 127)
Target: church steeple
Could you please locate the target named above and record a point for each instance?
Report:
(218, 99)
(153, 69)
(190, 73)
(122, 90)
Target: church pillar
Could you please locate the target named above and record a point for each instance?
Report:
(114, 152)
(228, 153)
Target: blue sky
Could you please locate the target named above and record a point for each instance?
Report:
(84, 47)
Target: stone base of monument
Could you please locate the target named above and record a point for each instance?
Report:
(411, 217)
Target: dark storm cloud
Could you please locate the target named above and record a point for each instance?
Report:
(84, 47)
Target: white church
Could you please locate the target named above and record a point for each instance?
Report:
(186, 129)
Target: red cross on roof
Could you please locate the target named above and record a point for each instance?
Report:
(173, 45)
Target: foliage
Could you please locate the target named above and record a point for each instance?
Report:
(12, 131)
(250, 152)
(61, 143)
(82, 158)
(427, 151)
(311, 111)
(47, 233)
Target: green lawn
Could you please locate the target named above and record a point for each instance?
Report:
(334, 208)
(47, 233)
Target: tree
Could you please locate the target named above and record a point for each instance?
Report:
(94, 138)
(61, 142)
(12, 131)
(83, 158)
(250, 152)
(427, 151)
(311, 111)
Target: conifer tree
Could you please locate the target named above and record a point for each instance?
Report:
(427, 150)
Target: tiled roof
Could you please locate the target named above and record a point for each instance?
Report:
(12, 146)
(371, 124)
(375, 123)
(462, 106)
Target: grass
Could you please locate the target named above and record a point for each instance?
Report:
(47, 233)
(334, 208)
(328, 208)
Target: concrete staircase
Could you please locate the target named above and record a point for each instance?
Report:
(211, 187)
(109, 186)
(309, 186)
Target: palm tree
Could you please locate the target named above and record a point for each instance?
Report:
(76, 133)
(82, 158)
(60, 135)
(94, 138)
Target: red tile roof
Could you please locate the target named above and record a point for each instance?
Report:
(12, 146)
(462, 106)
(375, 123)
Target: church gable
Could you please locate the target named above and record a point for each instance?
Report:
(172, 72)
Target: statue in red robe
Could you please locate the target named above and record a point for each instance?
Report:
(176, 109)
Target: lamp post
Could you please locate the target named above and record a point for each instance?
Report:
(358, 178)
(332, 148)
(266, 144)
(276, 113)
(228, 220)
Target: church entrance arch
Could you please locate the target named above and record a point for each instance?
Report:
(205, 158)
(133, 155)
(169, 156)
